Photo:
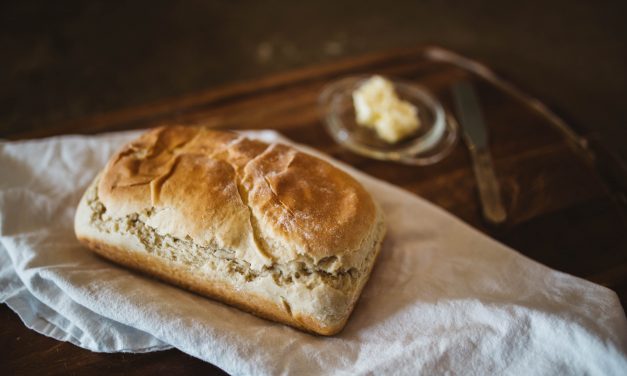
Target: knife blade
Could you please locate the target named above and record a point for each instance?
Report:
(476, 138)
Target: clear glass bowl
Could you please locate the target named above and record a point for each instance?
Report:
(433, 140)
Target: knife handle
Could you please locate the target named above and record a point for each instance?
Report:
(489, 191)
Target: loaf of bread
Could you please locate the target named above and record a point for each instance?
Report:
(266, 228)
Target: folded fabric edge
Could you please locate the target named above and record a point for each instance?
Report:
(34, 313)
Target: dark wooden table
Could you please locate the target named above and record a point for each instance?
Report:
(564, 194)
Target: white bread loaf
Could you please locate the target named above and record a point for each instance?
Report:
(266, 228)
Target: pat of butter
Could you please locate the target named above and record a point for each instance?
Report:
(378, 107)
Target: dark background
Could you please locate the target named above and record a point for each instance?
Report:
(65, 60)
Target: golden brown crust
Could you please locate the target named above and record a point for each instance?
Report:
(316, 205)
(295, 199)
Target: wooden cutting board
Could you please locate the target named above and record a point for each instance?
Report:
(564, 198)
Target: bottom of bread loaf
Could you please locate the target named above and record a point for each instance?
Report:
(321, 308)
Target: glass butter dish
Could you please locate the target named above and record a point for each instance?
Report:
(432, 141)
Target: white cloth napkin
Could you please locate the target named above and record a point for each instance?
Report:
(443, 298)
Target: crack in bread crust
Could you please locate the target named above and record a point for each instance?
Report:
(262, 247)
(302, 271)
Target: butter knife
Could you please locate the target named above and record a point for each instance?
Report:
(476, 138)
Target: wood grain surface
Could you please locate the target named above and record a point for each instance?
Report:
(564, 196)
